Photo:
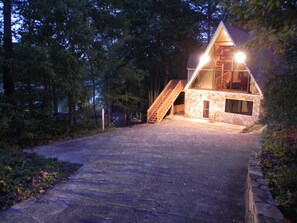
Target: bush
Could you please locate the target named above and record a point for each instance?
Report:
(23, 175)
(279, 164)
(20, 129)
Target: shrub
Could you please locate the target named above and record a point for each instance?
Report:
(279, 164)
(23, 175)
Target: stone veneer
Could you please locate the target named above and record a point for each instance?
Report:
(194, 106)
(260, 206)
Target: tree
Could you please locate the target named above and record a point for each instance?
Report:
(33, 70)
(7, 48)
(121, 84)
(66, 30)
(212, 13)
(159, 36)
(273, 26)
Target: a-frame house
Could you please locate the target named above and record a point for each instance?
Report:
(222, 88)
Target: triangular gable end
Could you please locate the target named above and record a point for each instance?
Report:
(238, 37)
(206, 52)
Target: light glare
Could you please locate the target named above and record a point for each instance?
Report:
(240, 57)
(204, 59)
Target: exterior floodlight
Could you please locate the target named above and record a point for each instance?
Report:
(240, 57)
(204, 59)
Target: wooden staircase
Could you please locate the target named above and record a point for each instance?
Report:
(224, 55)
(225, 76)
(165, 100)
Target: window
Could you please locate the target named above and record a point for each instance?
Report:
(239, 107)
(203, 80)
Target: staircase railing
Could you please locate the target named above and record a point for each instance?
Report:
(222, 80)
(160, 98)
(165, 100)
(161, 112)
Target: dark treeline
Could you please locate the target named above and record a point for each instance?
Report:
(62, 60)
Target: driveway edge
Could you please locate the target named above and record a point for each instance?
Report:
(260, 206)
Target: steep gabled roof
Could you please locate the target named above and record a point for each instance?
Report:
(238, 37)
(257, 58)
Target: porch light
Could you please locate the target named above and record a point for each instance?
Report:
(240, 57)
(204, 59)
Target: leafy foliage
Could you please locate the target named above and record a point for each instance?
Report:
(273, 26)
(157, 40)
(279, 163)
(24, 175)
(71, 50)
(68, 52)
(121, 84)
(71, 57)
(20, 129)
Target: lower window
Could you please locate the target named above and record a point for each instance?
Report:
(239, 107)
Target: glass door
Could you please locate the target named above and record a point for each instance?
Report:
(205, 109)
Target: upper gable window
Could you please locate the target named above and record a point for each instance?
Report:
(222, 72)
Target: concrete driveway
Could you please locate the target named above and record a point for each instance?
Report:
(176, 171)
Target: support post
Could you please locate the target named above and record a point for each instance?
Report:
(102, 119)
(171, 110)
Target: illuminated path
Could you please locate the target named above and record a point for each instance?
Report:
(177, 171)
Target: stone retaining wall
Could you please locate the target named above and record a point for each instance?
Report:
(260, 206)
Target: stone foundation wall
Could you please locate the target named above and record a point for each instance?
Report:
(260, 206)
(194, 106)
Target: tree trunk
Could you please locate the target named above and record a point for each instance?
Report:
(69, 112)
(55, 99)
(94, 94)
(45, 97)
(154, 90)
(7, 45)
(108, 112)
(209, 13)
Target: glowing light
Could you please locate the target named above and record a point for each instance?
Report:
(240, 57)
(204, 59)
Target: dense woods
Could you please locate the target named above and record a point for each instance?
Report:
(273, 25)
(62, 61)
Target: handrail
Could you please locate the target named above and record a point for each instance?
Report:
(170, 85)
(221, 47)
(223, 79)
(171, 98)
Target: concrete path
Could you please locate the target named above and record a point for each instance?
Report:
(176, 171)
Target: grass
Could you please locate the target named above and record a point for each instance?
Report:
(27, 174)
